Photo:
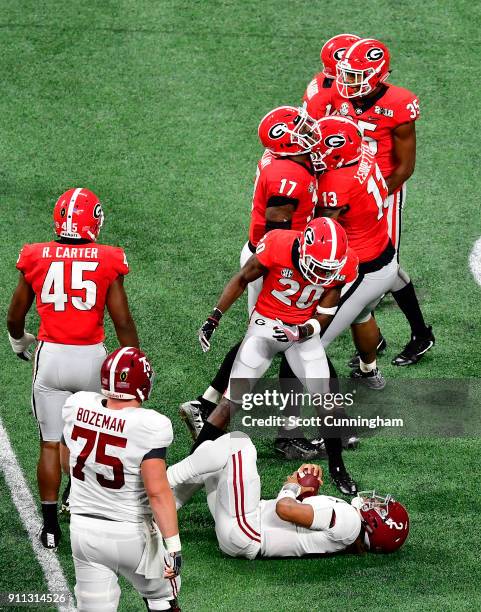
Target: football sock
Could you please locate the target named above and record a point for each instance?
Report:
(407, 301)
(334, 454)
(367, 367)
(49, 514)
(212, 396)
(210, 457)
(221, 379)
(208, 432)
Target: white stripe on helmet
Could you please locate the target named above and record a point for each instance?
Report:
(332, 227)
(355, 45)
(70, 208)
(113, 367)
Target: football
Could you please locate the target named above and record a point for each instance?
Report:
(308, 480)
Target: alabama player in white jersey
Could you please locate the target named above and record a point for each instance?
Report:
(249, 527)
(114, 451)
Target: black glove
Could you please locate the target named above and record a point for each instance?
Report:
(208, 328)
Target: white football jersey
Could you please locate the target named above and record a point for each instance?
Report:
(106, 451)
(283, 539)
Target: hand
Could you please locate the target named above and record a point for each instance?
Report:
(310, 468)
(292, 479)
(172, 570)
(21, 346)
(284, 333)
(206, 331)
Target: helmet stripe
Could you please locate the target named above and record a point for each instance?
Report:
(113, 367)
(355, 45)
(332, 227)
(71, 206)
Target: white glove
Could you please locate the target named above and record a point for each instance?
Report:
(21, 346)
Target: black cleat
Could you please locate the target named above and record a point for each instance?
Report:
(350, 442)
(344, 482)
(321, 448)
(50, 537)
(373, 379)
(381, 347)
(415, 349)
(296, 448)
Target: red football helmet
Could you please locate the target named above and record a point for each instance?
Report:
(340, 143)
(127, 374)
(78, 214)
(288, 130)
(322, 251)
(385, 520)
(364, 65)
(333, 50)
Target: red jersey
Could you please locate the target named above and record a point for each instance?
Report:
(71, 283)
(318, 96)
(363, 189)
(280, 181)
(377, 117)
(285, 293)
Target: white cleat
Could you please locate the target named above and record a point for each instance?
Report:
(191, 414)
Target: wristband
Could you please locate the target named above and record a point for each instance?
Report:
(326, 311)
(20, 344)
(172, 544)
(216, 315)
(315, 324)
(291, 490)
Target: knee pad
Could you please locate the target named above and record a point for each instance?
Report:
(251, 354)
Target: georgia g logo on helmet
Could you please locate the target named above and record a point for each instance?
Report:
(338, 53)
(277, 131)
(334, 141)
(374, 53)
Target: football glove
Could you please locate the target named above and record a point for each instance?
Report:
(286, 333)
(208, 328)
(21, 345)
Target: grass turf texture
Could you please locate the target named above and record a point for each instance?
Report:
(155, 107)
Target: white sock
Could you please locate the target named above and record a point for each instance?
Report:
(212, 395)
(367, 367)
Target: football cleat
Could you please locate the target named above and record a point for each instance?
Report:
(321, 448)
(344, 482)
(50, 537)
(415, 349)
(296, 448)
(353, 363)
(350, 442)
(373, 379)
(194, 413)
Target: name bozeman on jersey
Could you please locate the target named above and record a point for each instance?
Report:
(143, 429)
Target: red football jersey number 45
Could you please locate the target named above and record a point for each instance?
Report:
(53, 288)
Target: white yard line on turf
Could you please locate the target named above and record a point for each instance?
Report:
(475, 261)
(27, 509)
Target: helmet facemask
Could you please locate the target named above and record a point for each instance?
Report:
(348, 79)
(319, 272)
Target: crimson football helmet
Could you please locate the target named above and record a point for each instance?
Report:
(363, 66)
(333, 50)
(127, 374)
(78, 214)
(288, 130)
(322, 251)
(385, 520)
(340, 144)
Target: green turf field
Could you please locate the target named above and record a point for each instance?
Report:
(155, 106)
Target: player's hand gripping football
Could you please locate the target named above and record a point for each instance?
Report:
(294, 478)
(286, 333)
(208, 328)
(21, 346)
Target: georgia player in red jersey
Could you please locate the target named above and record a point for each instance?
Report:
(318, 93)
(303, 273)
(386, 115)
(285, 196)
(72, 279)
(353, 191)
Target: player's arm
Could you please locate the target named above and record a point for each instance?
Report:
(20, 304)
(251, 271)
(64, 457)
(279, 213)
(162, 502)
(325, 311)
(118, 307)
(404, 143)
(332, 213)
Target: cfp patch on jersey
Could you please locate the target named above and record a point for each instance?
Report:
(387, 112)
(287, 273)
(344, 108)
(311, 188)
(358, 111)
